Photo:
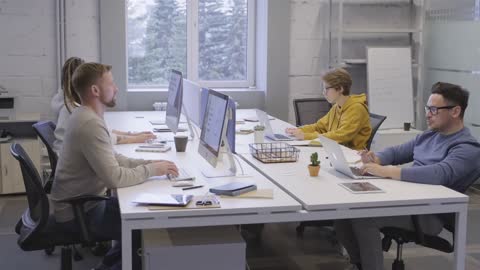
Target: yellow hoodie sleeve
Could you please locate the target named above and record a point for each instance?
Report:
(351, 122)
(311, 131)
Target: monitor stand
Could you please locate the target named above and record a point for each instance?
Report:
(189, 123)
(225, 149)
(211, 172)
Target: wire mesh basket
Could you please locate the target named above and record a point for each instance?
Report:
(274, 152)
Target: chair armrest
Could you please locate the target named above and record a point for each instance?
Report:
(84, 198)
(78, 210)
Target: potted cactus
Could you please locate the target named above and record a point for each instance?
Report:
(314, 166)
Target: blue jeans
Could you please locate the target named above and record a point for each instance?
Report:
(103, 220)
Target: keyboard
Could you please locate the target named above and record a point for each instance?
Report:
(279, 137)
(358, 172)
(182, 175)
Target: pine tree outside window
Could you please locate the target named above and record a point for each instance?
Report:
(210, 41)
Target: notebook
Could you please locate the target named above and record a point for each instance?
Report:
(233, 189)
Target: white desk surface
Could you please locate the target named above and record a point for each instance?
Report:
(193, 163)
(315, 193)
(321, 196)
(323, 192)
(138, 121)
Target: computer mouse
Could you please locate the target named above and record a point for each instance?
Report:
(183, 183)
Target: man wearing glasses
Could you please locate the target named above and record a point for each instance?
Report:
(446, 154)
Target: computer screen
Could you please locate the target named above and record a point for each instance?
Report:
(213, 127)
(174, 101)
(231, 122)
(192, 102)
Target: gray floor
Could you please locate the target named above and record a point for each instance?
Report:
(279, 247)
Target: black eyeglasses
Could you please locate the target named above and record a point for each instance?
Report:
(325, 90)
(434, 110)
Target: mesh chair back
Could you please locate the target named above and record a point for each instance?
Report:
(37, 198)
(45, 130)
(309, 110)
(375, 122)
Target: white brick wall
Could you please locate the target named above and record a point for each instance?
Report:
(83, 29)
(28, 51)
(28, 47)
(308, 48)
(309, 38)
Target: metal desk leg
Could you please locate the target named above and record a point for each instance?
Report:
(126, 246)
(460, 237)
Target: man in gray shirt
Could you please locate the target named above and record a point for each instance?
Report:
(89, 166)
(446, 154)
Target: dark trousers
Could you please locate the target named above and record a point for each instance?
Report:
(103, 220)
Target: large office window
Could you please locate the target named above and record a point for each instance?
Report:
(210, 41)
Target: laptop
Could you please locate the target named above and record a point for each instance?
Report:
(263, 118)
(179, 200)
(339, 162)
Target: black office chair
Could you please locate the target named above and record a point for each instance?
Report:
(45, 130)
(38, 229)
(309, 110)
(376, 121)
(403, 236)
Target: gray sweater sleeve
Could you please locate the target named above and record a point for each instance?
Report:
(456, 165)
(396, 155)
(98, 151)
(129, 162)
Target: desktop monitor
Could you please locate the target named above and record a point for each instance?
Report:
(192, 101)
(214, 126)
(231, 121)
(203, 102)
(174, 101)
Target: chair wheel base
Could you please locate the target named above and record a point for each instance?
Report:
(100, 249)
(398, 265)
(49, 251)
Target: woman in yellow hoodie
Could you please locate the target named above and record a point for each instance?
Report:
(348, 120)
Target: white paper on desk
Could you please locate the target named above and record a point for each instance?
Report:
(299, 143)
(148, 198)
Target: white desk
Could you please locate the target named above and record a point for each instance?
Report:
(321, 197)
(325, 199)
(233, 210)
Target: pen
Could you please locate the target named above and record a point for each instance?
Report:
(365, 151)
(194, 187)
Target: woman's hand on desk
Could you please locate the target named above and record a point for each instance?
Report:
(165, 167)
(290, 131)
(298, 133)
(392, 172)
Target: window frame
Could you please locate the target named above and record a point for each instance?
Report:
(193, 52)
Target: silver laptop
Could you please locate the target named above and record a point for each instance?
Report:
(263, 118)
(339, 162)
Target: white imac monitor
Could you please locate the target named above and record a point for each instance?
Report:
(231, 122)
(192, 101)
(174, 101)
(213, 136)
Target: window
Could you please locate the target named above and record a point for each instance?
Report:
(210, 41)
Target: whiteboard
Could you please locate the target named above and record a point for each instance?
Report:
(390, 84)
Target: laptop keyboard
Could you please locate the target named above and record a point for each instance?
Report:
(358, 172)
(281, 137)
